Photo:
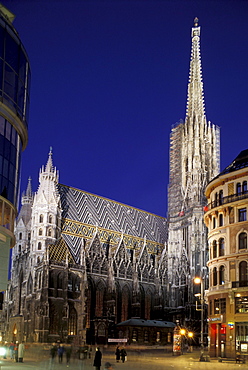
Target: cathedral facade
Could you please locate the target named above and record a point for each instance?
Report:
(83, 264)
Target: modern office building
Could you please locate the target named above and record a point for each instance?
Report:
(227, 297)
(14, 108)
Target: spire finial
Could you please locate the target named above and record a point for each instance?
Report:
(196, 20)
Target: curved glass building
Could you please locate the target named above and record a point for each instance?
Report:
(14, 108)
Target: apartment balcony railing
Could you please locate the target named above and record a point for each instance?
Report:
(240, 284)
(226, 200)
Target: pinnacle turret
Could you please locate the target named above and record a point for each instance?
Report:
(28, 196)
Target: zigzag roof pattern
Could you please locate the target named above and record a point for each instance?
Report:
(91, 209)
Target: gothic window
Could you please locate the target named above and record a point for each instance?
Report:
(100, 290)
(70, 283)
(41, 218)
(214, 249)
(29, 236)
(60, 281)
(183, 279)
(19, 248)
(39, 246)
(30, 285)
(38, 260)
(51, 280)
(242, 214)
(243, 272)
(72, 324)
(220, 220)
(40, 232)
(242, 240)
(50, 219)
(20, 236)
(39, 280)
(124, 303)
(215, 199)
(49, 232)
(222, 275)
(238, 188)
(77, 285)
(214, 276)
(221, 247)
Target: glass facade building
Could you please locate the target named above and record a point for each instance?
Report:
(14, 108)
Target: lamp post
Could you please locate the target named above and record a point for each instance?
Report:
(198, 280)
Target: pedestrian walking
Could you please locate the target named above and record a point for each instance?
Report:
(11, 350)
(16, 351)
(123, 355)
(98, 359)
(53, 351)
(68, 352)
(61, 351)
(21, 349)
(117, 354)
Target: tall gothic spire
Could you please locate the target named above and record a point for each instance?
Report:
(27, 196)
(195, 101)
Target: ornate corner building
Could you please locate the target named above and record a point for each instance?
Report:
(83, 264)
(226, 219)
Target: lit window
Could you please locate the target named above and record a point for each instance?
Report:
(222, 275)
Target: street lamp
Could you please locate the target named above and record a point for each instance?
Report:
(198, 280)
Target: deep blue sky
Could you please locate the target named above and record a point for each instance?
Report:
(109, 78)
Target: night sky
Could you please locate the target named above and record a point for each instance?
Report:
(109, 79)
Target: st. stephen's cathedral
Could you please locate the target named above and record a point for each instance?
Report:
(83, 263)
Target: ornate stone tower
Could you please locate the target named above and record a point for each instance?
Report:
(194, 161)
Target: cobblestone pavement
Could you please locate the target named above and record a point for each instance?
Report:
(136, 360)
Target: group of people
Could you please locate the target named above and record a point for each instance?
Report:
(120, 355)
(59, 350)
(15, 349)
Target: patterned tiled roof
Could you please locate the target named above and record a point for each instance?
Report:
(241, 161)
(84, 212)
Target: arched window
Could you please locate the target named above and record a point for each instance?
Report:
(244, 189)
(39, 246)
(214, 222)
(41, 218)
(20, 236)
(221, 247)
(72, 322)
(243, 273)
(242, 240)
(221, 197)
(215, 199)
(220, 220)
(49, 232)
(50, 219)
(40, 231)
(19, 248)
(60, 281)
(222, 275)
(214, 276)
(214, 249)
(238, 188)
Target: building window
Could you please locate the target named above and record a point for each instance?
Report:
(40, 231)
(222, 275)
(72, 324)
(241, 332)
(19, 248)
(39, 246)
(242, 240)
(214, 249)
(221, 197)
(220, 220)
(242, 214)
(214, 276)
(220, 306)
(20, 236)
(244, 187)
(210, 307)
(238, 188)
(41, 218)
(221, 247)
(243, 273)
(241, 304)
(50, 219)
(49, 232)
(214, 222)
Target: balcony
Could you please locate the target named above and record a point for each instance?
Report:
(240, 284)
(228, 199)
